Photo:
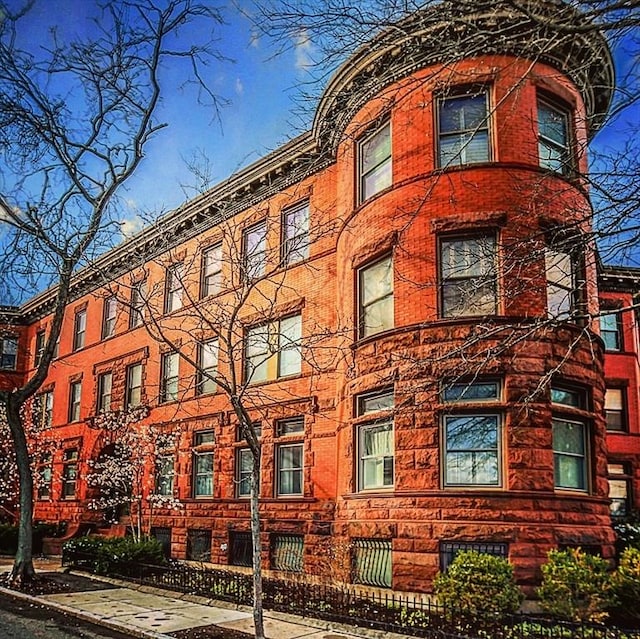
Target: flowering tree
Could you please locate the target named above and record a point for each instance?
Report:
(121, 473)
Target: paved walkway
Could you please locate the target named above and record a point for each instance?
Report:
(141, 611)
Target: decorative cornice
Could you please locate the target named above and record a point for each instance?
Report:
(482, 28)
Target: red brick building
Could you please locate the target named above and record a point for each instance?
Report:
(403, 298)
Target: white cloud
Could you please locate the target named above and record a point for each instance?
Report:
(239, 86)
(131, 226)
(303, 49)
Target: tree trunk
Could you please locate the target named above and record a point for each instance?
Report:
(23, 570)
(258, 617)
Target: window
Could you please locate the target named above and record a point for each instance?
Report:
(244, 466)
(41, 338)
(240, 549)
(471, 441)
(164, 475)
(8, 352)
(207, 367)
(211, 271)
(569, 454)
(75, 394)
(255, 251)
(561, 283)
(610, 330)
(134, 386)
(290, 426)
(449, 550)
(79, 329)
(43, 409)
(69, 473)
(375, 441)
(163, 536)
(614, 409)
(287, 552)
(136, 311)
(375, 284)
(105, 382)
(199, 545)
(374, 162)
(468, 280)
(203, 443)
(174, 288)
(372, 562)
(257, 429)
(109, 317)
(44, 476)
(289, 459)
(273, 350)
(169, 384)
(295, 230)
(619, 488)
(553, 141)
(463, 129)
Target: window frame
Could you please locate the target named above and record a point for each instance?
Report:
(381, 166)
(620, 411)
(364, 570)
(44, 408)
(205, 385)
(464, 135)
(109, 316)
(243, 474)
(486, 280)
(211, 271)
(460, 406)
(379, 301)
(203, 449)
(40, 344)
(294, 472)
(169, 378)
(565, 157)
(622, 476)
(79, 329)
(199, 536)
(104, 391)
(137, 303)
(8, 360)
(295, 245)
(286, 552)
(130, 388)
(269, 336)
(75, 400)
(449, 549)
(44, 476)
(377, 417)
(568, 305)
(174, 288)
(559, 456)
(254, 258)
(164, 474)
(70, 464)
(616, 332)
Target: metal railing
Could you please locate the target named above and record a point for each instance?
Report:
(410, 615)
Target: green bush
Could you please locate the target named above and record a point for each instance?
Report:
(626, 581)
(480, 584)
(576, 586)
(106, 555)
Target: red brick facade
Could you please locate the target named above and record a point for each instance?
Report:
(535, 478)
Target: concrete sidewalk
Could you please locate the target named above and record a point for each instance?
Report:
(141, 611)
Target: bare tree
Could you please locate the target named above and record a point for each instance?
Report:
(75, 119)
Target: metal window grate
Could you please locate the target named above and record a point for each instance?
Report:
(449, 550)
(371, 562)
(199, 545)
(163, 535)
(287, 552)
(241, 549)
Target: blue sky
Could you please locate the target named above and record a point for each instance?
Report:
(260, 90)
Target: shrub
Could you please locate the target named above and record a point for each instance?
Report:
(576, 586)
(480, 584)
(626, 581)
(115, 555)
(627, 533)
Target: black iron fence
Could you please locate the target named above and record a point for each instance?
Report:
(412, 615)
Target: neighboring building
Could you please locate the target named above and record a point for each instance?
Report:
(419, 355)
